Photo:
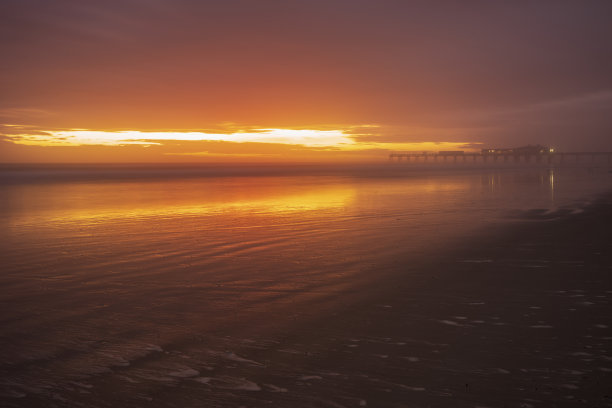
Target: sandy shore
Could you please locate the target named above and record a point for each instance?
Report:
(517, 319)
(511, 318)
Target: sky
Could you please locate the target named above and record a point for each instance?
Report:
(307, 80)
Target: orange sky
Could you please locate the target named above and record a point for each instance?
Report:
(388, 75)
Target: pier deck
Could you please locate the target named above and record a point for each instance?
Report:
(543, 158)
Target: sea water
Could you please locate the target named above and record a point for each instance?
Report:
(135, 279)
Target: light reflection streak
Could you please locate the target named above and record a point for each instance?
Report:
(326, 198)
(551, 182)
(89, 203)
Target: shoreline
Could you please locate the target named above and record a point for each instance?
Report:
(519, 317)
(516, 316)
(14, 174)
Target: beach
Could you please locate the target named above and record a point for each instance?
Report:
(329, 302)
(518, 319)
(305, 204)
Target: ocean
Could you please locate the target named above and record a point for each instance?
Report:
(145, 285)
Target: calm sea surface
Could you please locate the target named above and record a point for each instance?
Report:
(124, 284)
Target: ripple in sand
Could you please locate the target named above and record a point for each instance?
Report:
(185, 373)
(310, 377)
(450, 322)
(235, 357)
(229, 383)
(274, 388)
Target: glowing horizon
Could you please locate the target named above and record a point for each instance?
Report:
(334, 139)
(112, 81)
(225, 143)
(80, 137)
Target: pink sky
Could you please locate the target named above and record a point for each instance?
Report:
(386, 75)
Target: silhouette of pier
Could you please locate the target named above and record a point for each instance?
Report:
(526, 155)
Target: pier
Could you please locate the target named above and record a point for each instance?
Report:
(528, 155)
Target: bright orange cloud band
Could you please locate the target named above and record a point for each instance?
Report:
(309, 138)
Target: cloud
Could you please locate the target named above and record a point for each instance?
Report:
(213, 154)
(20, 114)
(350, 143)
(79, 137)
(423, 71)
(573, 103)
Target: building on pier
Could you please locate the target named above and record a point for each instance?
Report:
(535, 154)
(524, 150)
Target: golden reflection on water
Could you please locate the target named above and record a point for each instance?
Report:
(317, 200)
(551, 182)
(308, 197)
(100, 202)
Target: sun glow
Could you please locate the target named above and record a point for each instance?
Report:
(80, 137)
(224, 143)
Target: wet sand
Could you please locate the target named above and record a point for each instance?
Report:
(518, 317)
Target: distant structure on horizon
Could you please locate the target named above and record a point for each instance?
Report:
(537, 154)
(529, 149)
